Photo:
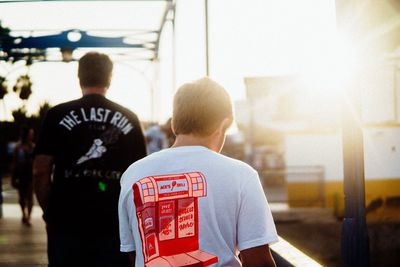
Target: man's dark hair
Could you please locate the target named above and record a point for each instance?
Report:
(95, 70)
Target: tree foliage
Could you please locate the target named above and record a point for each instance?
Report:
(23, 87)
(3, 87)
(5, 36)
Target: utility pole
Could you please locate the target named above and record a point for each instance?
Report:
(206, 38)
(355, 241)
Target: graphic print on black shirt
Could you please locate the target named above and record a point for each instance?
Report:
(99, 146)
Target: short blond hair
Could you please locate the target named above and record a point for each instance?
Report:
(199, 107)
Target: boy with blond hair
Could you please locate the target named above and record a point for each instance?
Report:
(189, 204)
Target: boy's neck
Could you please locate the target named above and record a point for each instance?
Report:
(211, 142)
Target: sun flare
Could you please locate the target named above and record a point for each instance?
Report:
(333, 69)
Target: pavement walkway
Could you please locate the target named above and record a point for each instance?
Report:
(22, 246)
(314, 231)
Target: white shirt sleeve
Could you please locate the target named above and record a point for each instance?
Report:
(125, 230)
(255, 224)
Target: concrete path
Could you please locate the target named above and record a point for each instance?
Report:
(313, 231)
(22, 246)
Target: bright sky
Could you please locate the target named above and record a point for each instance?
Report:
(247, 38)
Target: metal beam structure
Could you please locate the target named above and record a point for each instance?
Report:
(170, 8)
(132, 44)
(34, 48)
(206, 37)
(27, 1)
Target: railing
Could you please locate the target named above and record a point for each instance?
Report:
(286, 255)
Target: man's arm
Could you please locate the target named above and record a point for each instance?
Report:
(257, 257)
(42, 169)
(138, 143)
(132, 257)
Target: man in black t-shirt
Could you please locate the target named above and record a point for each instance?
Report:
(83, 148)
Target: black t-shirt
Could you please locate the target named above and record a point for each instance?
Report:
(93, 140)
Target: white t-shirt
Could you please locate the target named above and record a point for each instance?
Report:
(229, 208)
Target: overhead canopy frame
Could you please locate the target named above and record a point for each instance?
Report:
(137, 43)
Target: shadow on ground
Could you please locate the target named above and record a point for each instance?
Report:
(317, 233)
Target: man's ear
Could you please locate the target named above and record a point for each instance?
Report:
(173, 127)
(225, 124)
(228, 122)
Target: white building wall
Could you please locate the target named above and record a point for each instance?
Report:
(315, 150)
(381, 152)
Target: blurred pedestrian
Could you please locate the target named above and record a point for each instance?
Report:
(3, 155)
(158, 137)
(82, 150)
(21, 172)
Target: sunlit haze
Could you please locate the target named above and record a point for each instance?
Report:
(253, 39)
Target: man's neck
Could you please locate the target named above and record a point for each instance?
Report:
(94, 90)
